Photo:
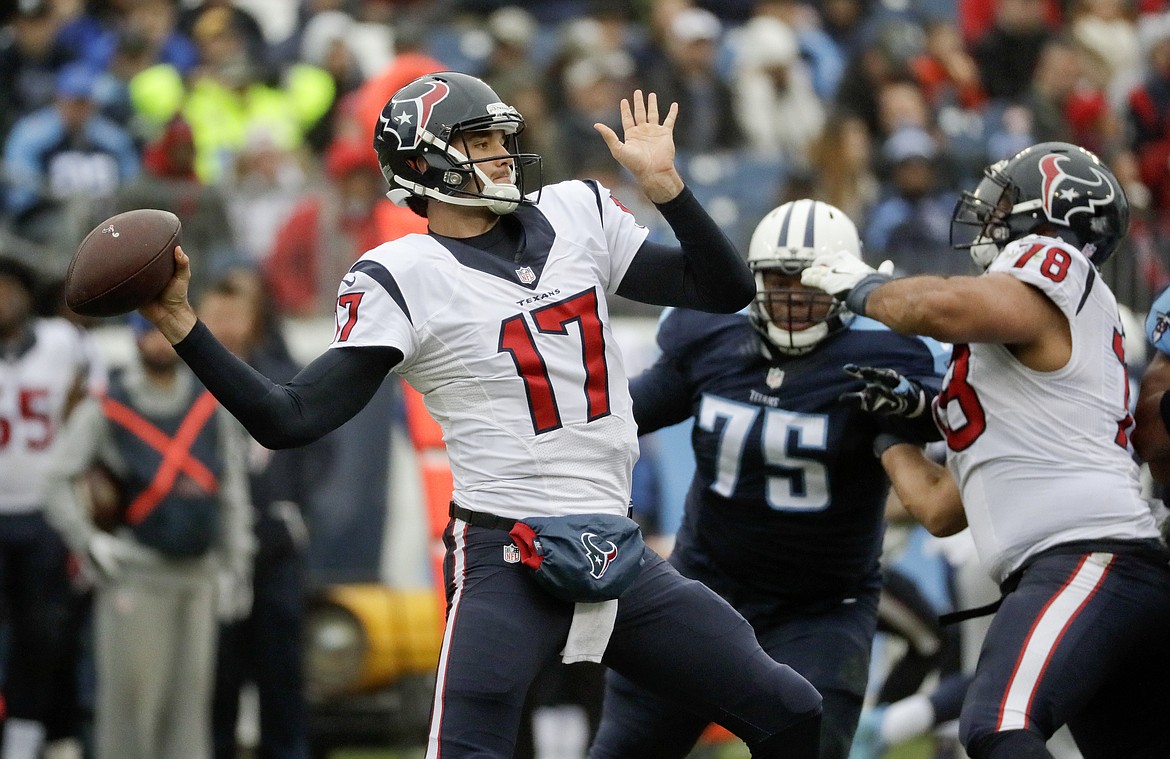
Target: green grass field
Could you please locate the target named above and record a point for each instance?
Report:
(917, 749)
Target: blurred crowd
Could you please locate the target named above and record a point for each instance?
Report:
(252, 119)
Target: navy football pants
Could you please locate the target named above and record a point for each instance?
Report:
(831, 648)
(36, 597)
(1083, 640)
(266, 649)
(673, 635)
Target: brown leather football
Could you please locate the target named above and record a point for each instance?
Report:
(124, 263)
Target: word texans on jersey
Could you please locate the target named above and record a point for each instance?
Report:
(538, 297)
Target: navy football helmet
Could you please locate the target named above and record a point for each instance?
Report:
(421, 145)
(1053, 188)
(793, 320)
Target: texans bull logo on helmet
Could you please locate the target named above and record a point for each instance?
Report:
(600, 553)
(1064, 195)
(409, 116)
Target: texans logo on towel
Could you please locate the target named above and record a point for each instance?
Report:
(599, 552)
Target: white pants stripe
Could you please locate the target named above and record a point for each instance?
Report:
(459, 556)
(1045, 636)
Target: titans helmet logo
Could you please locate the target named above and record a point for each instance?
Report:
(405, 118)
(1161, 325)
(600, 553)
(1064, 194)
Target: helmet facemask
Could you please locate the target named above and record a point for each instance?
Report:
(445, 173)
(792, 318)
(980, 223)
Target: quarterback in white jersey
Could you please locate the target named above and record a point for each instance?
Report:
(515, 359)
(499, 317)
(1035, 413)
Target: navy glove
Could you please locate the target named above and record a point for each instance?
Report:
(886, 392)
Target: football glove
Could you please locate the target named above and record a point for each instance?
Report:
(1158, 323)
(886, 392)
(846, 277)
(104, 553)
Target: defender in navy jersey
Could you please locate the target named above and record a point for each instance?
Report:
(784, 517)
(1035, 413)
(499, 317)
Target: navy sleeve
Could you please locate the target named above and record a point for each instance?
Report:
(660, 396)
(319, 399)
(706, 273)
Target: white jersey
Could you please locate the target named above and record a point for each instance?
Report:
(35, 384)
(514, 356)
(1044, 458)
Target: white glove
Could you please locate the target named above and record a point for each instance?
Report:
(839, 273)
(104, 553)
(233, 600)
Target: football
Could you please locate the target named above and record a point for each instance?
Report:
(123, 263)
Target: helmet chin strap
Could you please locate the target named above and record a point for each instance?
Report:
(504, 198)
(500, 199)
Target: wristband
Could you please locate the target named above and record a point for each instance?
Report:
(856, 299)
(885, 440)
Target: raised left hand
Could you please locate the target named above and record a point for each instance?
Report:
(647, 150)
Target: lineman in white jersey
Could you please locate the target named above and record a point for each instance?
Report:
(43, 362)
(1035, 411)
(1049, 422)
(498, 316)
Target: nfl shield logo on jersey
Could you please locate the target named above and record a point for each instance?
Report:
(511, 554)
(775, 377)
(526, 275)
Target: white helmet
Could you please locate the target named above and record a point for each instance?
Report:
(793, 320)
